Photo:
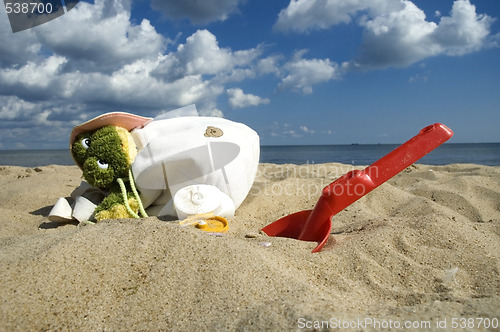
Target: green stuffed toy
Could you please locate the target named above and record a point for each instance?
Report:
(105, 156)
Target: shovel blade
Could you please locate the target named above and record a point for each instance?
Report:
(292, 226)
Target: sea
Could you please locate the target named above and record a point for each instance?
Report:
(356, 154)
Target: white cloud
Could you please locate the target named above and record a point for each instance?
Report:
(37, 78)
(306, 15)
(395, 32)
(463, 31)
(287, 130)
(12, 106)
(398, 38)
(105, 39)
(269, 65)
(306, 130)
(201, 55)
(19, 50)
(238, 99)
(417, 78)
(197, 11)
(35, 125)
(405, 37)
(302, 74)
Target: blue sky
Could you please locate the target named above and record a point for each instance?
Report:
(298, 72)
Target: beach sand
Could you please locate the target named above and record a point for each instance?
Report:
(423, 248)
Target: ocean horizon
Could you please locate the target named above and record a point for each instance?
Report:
(487, 154)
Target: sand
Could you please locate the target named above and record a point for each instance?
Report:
(422, 249)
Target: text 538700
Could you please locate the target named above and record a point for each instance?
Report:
(28, 8)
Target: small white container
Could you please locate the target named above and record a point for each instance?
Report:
(198, 199)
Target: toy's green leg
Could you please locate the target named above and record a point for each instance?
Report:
(136, 194)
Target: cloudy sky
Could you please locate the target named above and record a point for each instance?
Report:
(298, 72)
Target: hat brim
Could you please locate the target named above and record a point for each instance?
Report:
(119, 119)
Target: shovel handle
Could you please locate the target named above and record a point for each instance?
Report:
(409, 152)
(355, 184)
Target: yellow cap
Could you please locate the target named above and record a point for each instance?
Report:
(214, 224)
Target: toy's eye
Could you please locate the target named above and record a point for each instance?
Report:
(102, 164)
(86, 143)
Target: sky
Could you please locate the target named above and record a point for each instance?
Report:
(297, 72)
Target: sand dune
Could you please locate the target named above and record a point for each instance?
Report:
(423, 247)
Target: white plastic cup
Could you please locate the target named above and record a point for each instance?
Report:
(198, 199)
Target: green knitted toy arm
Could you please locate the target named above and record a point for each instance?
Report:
(125, 198)
(136, 194)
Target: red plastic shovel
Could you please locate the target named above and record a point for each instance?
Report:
(316, 224)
